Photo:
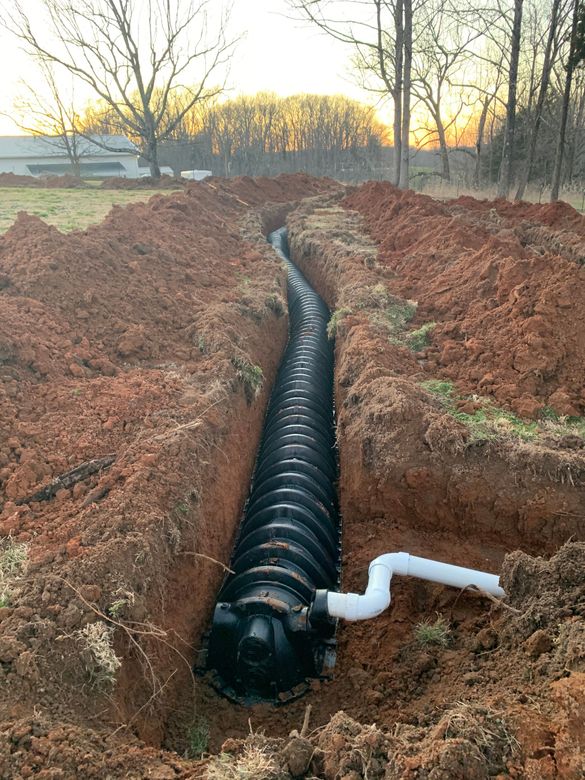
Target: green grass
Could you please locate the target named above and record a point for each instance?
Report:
(335, 319)
(418, 339)
(386, 309)
(117, 607)
(399, 313)
(440, 387)
(436, 633)
(490, 422)
(67, 210)
(197, 738)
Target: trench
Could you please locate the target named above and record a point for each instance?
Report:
(269, 635)
(260, 609)
(380, 674)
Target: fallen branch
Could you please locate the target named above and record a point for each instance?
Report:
(484, 594)
(70, 478)
(306, 720)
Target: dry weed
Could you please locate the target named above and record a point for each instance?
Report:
(101, 662)
(255, 762)
(13, 562)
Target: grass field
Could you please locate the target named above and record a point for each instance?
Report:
(66, 209)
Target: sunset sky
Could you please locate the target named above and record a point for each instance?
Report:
(277, 54)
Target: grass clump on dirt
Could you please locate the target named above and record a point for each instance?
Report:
(197, 738)
(101, 662)
(119, 605)
(485, 729)
(276, 304)
(398, 314)
(418, 339)
(554, 423)
(256, 761)
(250, 376)
(437, 632)
(393, 314)
(335, 319)
(13, 562)
(489, 422)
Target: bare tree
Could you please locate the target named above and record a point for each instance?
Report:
(549, 59)
(575, 56)
(134, 55)
(443, 48)
(268, 134)
(406, 91)
(381, 34)
(505, 178)
(51, 115)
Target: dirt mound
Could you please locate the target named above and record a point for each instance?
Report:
(507, 312)
(547, 592)
(254, 190)
(129, 289)
(135, 358)
(165, 182)
(130, 411)
(558, 215)
(44, 182)
(250, 190)
(38, 748)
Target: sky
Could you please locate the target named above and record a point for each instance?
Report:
(276, 54)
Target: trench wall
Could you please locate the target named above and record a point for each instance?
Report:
(408, 473)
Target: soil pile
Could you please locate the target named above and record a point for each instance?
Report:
(135, 362)
(253, 191)
(417, 450)
(165, 182)
(504, 285)
(423, 470)
(43, 182)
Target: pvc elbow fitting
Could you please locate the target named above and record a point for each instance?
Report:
(352, 606)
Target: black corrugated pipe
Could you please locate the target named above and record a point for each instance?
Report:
(269, 633)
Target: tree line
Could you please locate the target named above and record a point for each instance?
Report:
(495, 86)
(476, 69)
(266, 134)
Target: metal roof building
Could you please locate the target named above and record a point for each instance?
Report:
(44, 155)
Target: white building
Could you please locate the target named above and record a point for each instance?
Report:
(45, 156)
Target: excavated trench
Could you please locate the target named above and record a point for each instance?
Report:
(445, 508)
(270, 640)
(268, 634)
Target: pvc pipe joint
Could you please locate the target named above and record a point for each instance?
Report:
(353, 606)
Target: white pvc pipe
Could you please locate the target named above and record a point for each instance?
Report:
(353, 606)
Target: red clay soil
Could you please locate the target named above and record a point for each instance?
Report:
(134, 341)
(165, 182)
(413, 478)
(503, 697)
(505, 284)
